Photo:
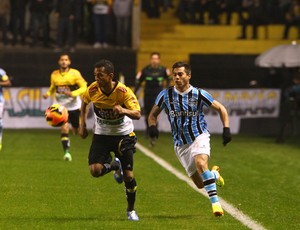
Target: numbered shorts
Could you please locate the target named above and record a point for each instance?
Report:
(122, 146)
(186, 153)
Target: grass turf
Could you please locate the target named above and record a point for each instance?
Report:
(41, 191)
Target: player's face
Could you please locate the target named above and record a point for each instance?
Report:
(64, 62)
(181, 79)
(102, 78)
(155, 60)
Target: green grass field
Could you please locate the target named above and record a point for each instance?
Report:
(39, 190)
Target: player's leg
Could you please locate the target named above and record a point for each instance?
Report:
(74, 120)
(65, 141)
(209, 182)
(100, 161)
(125, 153)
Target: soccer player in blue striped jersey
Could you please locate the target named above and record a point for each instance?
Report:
(184, 106)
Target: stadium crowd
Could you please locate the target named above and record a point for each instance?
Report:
(28, 22)
(106, 23)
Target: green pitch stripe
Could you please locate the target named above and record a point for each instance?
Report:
(237, 214)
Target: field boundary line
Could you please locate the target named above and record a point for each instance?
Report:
(233, 211)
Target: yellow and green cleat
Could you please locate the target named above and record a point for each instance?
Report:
(220, 182)
(217, 209)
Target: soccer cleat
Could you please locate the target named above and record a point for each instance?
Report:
(217, 209)
(68, 156)
(132, 216)
(220, 182)
(118, 174)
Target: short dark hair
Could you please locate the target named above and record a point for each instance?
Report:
(186, 66)
(155, 53)
(64, 54)
(108, 65)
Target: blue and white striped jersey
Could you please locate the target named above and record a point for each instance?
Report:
(185, 112)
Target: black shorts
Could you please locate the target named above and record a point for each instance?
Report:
(74, 118)
(122, 146)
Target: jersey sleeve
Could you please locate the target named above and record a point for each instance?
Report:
(131, 101)
(51, 89)
(159, 101)
(206, 97)
(81, 83)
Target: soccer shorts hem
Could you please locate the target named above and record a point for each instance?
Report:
(186, 153)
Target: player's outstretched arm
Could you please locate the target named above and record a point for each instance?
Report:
(83, 115)
(152, 121)
(225, 121)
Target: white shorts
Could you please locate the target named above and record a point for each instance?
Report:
(186, 153)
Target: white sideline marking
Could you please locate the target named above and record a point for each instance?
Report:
(237, 214)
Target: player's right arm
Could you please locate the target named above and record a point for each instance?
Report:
(51, 89)
(83, 114)
(140, 77)
(152, 119)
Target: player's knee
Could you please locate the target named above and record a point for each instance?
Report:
(96, 170)
(128, 178)
(201, 164)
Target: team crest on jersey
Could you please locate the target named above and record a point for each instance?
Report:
(122, 89)
(93, 89)
(192, 102)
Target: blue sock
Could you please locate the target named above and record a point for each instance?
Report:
(210, 186)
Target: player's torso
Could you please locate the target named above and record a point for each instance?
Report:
(185, 115)
(66, 82)
(107, 121)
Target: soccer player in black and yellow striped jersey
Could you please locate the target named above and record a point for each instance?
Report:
(68, 85)
(115, 105)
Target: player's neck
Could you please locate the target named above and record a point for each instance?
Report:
(108, 88)
(64, 70)
(182, 89)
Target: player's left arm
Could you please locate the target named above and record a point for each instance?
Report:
(82, 86)
(225, 120)
(131, 109)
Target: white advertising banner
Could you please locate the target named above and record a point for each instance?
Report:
(25, 108)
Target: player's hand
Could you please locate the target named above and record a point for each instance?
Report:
(226, 135)
(83, 132)
(153, 131)
(118, 109)
(45, 96)
(67, 92)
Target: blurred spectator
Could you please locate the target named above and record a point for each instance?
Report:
(152, 8)
(256, 17)
(167, 4)
(101, 19)
(17, 20)
(122, 11)
(229, 7)
(187, 11)
(4, 13)
(292, 18)
(65, 11)
(40, 10)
